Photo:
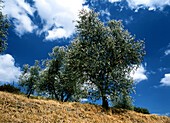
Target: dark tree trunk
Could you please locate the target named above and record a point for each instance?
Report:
(62, 96)
(56, 96)
(105, 103)
(29, 93)
(68, 96)
(52, 96)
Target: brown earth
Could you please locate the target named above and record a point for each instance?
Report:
(17, 108)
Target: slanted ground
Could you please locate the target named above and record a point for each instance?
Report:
(17, 108)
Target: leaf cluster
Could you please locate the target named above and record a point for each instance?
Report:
(4, 25)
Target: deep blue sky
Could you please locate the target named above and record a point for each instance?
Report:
(39, 26)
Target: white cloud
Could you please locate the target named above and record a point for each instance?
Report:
(112, 1)
(167, 52)
(84, 100)
(150, 4)
(20, 11)
(58, 16)
(56, 33)
(166, 80)
(139, 75)
(8, 71)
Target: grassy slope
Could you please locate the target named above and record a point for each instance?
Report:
(17, 108)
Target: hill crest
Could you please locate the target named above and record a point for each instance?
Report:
(17, 108)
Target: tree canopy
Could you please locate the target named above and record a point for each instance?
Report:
(105, 54)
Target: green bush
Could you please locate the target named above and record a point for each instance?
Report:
(124, 102)
(141, 110)
(124, 106)
(10, 88)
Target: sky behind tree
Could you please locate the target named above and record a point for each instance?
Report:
(39, 25)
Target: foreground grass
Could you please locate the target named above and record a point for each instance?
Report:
(17, 108)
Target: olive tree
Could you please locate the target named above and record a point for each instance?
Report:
(30, 77)
(104, 54)
(4, 25)
(56, 77)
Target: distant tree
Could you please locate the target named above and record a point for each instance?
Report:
(124, 102)
(104, 55)
(9, 88)
(141, 110)
(30, 77)
(56, 78)
(4, 25)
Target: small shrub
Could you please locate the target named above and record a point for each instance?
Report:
(141, 110)
(124, 106)
(124, 102)
(10, 88)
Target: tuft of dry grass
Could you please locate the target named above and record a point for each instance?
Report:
(17, 108)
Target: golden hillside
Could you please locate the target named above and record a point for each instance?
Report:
(17, 108)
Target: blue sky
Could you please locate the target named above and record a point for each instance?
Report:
(39, 25)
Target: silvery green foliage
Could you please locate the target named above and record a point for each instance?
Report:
(51, 76)
(30, 77)
(56, 77)
(105, 54)
(4, 25)
(124, 101)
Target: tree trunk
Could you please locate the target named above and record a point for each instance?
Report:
(29, 93)
(52, 96)
(68, 96)
(62, 96)
(105, 102)
(56, 96)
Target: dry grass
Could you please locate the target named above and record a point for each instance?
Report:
(17, 108)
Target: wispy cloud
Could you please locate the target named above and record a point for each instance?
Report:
(112, 1)
(161, 69)
(8, 71)
(19, 11)
(105, 13)
(139, 74)
(56, 16)
(165, 114)
(127, 21)
(149, 4)
(167, 52)
(166, 80)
